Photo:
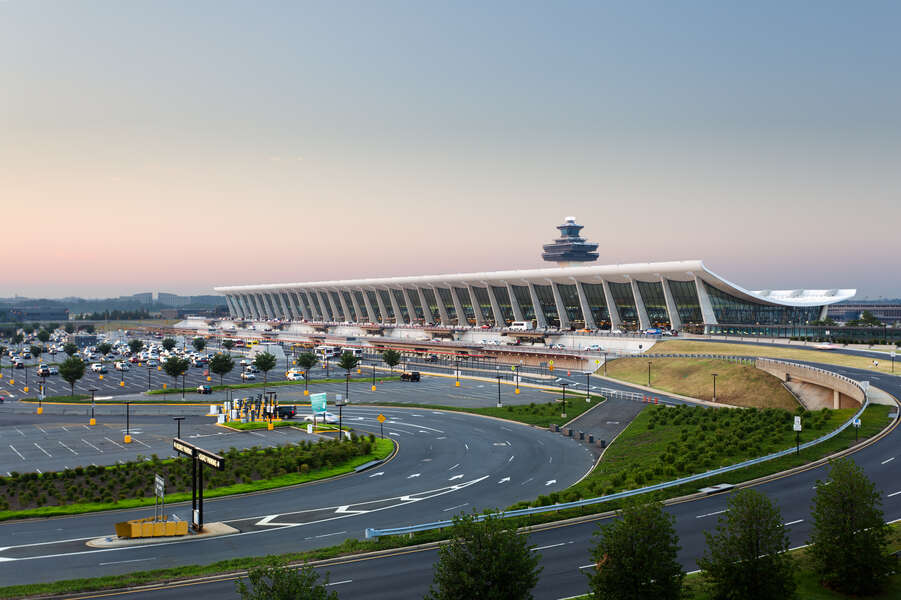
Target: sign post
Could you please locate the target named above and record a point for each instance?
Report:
(199, 457)
(381, 420)
(317, 405)
(159, 491)
(893, 361)
(856, 430)
(797, 428)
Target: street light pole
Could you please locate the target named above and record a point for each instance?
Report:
(499, 405)
(649, 373)
(127, 423)
(605, 364)
(714, 386)
(563, 414)
(93, 421)
(340, 404)
(178, 420)
(373, 376)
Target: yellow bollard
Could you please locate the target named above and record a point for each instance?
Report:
(359, 371)
(40, 410)
(12, 381)
(457, 384)
(1, 375)
(93, 421)
(306, 392)
(373, 388)
(25, 389)
(208, 378)
(101, 378)
(159, 368)
(270, 427)
(127, 439)
(165, 385)
(516, 391)
(121, 384)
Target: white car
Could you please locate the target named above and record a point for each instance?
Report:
(247, 376)
(98, 368)
(327, 416)
(244, 362)
(121, 366)
(294, 376)
(595, 348)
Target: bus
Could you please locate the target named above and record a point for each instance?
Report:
(326, 351)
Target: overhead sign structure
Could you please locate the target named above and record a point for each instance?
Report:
(318, 402)
(199, 457)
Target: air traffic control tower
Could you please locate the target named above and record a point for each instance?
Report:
(570, 247)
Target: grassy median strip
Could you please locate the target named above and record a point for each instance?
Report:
(250, 425)
(309, 462)
(259, 384)
(540, 414)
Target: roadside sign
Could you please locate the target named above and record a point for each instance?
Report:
(159, 486)
(512, 367)
(380, 418)
(857, 422)
(892, 354)
(318, 402)
(797, 425)
(204, 456)
(550, 362)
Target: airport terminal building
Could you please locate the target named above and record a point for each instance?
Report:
(682, 295)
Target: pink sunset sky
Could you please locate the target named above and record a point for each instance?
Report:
(154, 146)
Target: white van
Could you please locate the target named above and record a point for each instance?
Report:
(357, 352)
(326, 351)
(521, 326)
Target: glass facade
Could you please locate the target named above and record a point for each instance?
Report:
(350, 306)
(340, 309)
(525, 301)
(432, 303)
(548, 306)
(685, 295)
(448, 302)
(317, 310)
(305, 303)
(399, 297)
(729, 309)
(570, 296)
(625, 303)
(362, 304)
(374, 303)
(654, 302)
(484, 304)
(466, 303)
(594, 293)
(503, 302)
(417, 305)
(389, 308)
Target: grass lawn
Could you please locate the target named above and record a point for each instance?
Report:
(819, 356)
(259, 384)
(539, 414)
(736, 384)
(382, 448)
(257, 425)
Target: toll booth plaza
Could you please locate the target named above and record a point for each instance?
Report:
(199, 457)
(248, 409)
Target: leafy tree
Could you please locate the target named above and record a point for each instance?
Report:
(70, 349)
(168, 344)
(221, 365)
(70, 328)
(391, 358)
(228, 344)
(52, 326)
(849, 543)
(72, 370)
(306, 361)
(36, 351)
(347, 362)
(747, 557)
(868, 318)
(18, 338)
(104, 348)
(199, 344)
(44, 336)
(486, 560)
(135, 346)
(89, 328)
(276, 580)
(3, 350)
(176, 367)
(265, 362)
(636, 556)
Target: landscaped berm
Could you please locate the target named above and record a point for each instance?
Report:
(737, 384)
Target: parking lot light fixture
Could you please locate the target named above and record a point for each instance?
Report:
(649, 373)
(563, 414)
(714, 385)
(93, 421)
(499, 405)
(127, 438)
(373, 377)
(178, 420)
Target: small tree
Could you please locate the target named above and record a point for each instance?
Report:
(18, 339)
(176, 367)
(486, 559)
(391, 358)
(849, 543)
(347, 362)
(306, 361)
(44, 336)
(747, 558)
(265, 362)
(70, 349)
(228, 344)
(199, 344)
(104, 348)
(275, 580)
(89, 328)
(69, 327)
(36, 351)
(135, 346)
(72, 370)
(168, 344)
(636, 556)
(221, 365)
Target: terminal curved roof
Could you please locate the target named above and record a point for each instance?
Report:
(686, 270)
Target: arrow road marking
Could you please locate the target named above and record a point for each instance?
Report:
(504, 480)
(380, 473)
(413, 475)
(345, 510)
(456, 477)
(551, 482)
(268, 522)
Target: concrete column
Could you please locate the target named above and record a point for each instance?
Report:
(231, 309)
(704, 300)
(442, 310)
(675, 322)
(347, 316)
(461, 316)
(411, 311)
(245, 305)
(514, 303)
(301, 302)
(323, 307)
(643, 321)
(495, 308)
(398, 315)
(561, 308)
(536, 306)
(336, 316)
(258, 305)
(587, 315)
(382, 310)
(289, 304)
(361, 317)
(286, 314)
(615, 321)
(836, 400)
(476, 309)
(426, 311)
(369, 310)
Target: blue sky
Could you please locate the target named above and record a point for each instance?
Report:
(170, 145)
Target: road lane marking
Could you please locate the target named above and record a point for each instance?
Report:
(527, 481)
(339, 582)
(140, 442)
(413, 475)
(117, 444)
(69, 449)
(794, 522)
(330, 534)
(394, 434)
(511, 458)
(455, 507)
(454, 467)
(379, 474)
(893, 494)
(888, 460)
(719, 512)
(17, 452)
(550, 546)
(504, 480)
(42, 450)
(456, 477)
(551, 482)
(92, 445)
(44, 431)
(117, 562)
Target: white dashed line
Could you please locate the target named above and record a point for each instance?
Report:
(13, 448)
(719, 512)
(42, 450)
(888, 460)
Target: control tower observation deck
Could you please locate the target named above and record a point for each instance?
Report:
(570, 247)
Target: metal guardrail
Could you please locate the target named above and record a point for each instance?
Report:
(371, 532)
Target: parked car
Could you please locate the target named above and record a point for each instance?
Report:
(98, 368)
(326, 416)
(121, 366)
(53, 371)
(411, 376)
(18, 363)
(431, 358)
(244, 362)
(247, 376)
(595, 348)
(251, 369)
(152, 362)
(42, 371)
(294, 375)
(204, 389)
